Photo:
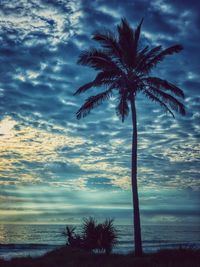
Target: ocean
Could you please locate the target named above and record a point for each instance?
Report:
(18, 240)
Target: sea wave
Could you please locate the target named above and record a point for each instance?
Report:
(36, 240)
(27, 246)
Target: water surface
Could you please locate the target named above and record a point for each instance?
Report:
(22, 240)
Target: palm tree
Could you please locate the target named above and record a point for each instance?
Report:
(124, 68)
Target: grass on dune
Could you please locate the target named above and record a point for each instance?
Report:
(66, 257)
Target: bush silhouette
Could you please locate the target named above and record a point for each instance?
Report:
(73, 240)
(91, 234)
(108, 237)
(101, 237)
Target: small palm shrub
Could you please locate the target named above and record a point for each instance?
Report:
(90, 233)
(108, 236)
(73, 240)
(95, 236)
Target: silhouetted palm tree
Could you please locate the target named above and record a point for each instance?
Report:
(124, 67)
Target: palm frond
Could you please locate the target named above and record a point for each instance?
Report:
(144, 50)
(137, 34)
(154, 98)
(127, 43)
(106, 77)
(103, 78)
(109, 233)
(93, 102)
(69, 231)
(84, 88)
(145, 56)
(124, 29)
(163, 84)
(154, 52)
(98, 59)
(169, 99)
(158, 58)
(89, 224)
(109, 42)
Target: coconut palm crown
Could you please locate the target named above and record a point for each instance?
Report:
(124, 69)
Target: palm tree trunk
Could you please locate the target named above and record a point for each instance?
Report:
(136, 211)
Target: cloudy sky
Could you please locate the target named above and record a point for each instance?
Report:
(55, 169)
